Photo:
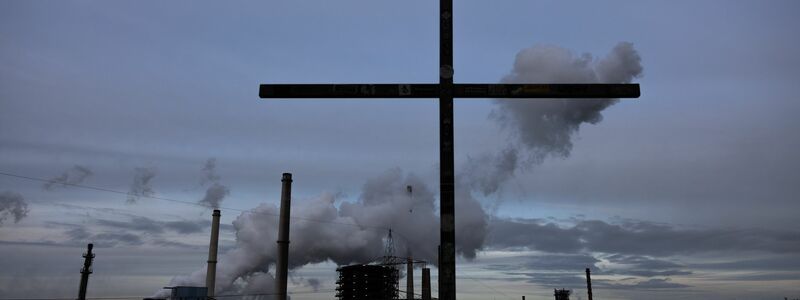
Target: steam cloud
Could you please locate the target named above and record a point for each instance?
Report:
(72, 176)
(141, 184)
(216, 192)
(12, 204)
(543, 128)
(351, 233)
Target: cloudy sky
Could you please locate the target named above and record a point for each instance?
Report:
(122, 122)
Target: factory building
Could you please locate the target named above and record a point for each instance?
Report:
(562, 294)
(374, 282)
(188, 293)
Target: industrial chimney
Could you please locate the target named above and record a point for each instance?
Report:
(211, 272)
(282, 267)
(426, 284)
(87, 269)
(410, 279)
(588, 283)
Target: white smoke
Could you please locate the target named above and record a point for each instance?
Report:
(12, 205)
(216, 192)
(350, 233)
(545, 127)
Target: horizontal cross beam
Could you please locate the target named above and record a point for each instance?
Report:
(469, 90)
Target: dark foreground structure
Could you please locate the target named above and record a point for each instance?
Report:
(374, 282)
(562, 294)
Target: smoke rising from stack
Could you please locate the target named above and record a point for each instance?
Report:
(216, 192)
(545, 128)
(12, 205)
(329, 238)
(74, 175)
(141, 186)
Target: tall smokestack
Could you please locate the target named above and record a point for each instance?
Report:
(282, 267)
(426, 284)
(211, 272)
(410, 279)
(589, 283)
(87, 269)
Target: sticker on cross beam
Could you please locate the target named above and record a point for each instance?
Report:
(404, 90)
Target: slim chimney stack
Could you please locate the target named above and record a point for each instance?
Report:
(211, 272)
(87, 269)
(426, 284)
(282, 267)
(410, 279)
(589, 283)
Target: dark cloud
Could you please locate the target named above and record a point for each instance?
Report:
(575, 263)
(78, 233)
(636, 238)
(74, 175)
(110, 239)
(577, 281)
(141, 186)
(654, 283)
(533, 234)
(646, 238)
(175, 244)
(764, 276)
(313, 283)
(560, 280)
(12, 205)
(81, 235)
(561, 262)
(152, 226)
(642, 262)
(643, 266)
(647, 273)
(783, 263)
(138, 224)
(187, 227)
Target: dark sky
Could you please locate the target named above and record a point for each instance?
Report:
(688, 192)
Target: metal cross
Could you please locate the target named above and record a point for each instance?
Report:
(446, 90)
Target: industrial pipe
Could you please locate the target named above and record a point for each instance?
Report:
(211, 272)
(282, 267)
(589, 283)
(410, 279)
(426, 284)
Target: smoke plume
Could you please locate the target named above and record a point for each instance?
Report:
(216, 192)
(141, 184)
(72, 176)
(350, 233)
(544, 128)
(12, 204)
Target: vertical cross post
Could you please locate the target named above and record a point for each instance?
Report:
(447, 238)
